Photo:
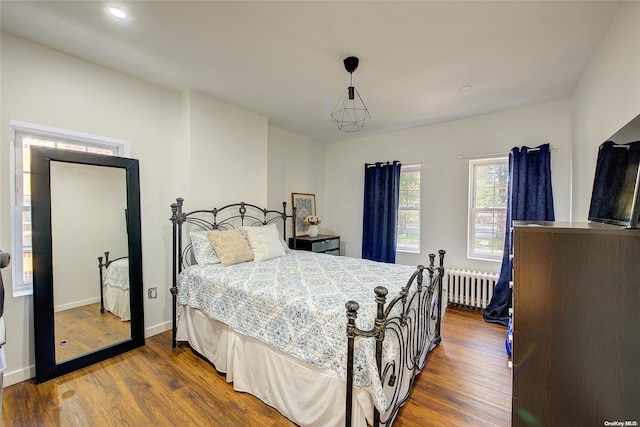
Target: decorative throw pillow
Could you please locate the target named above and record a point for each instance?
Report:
(285, 247)
(202, 249)
(230, 246)
(265, 242)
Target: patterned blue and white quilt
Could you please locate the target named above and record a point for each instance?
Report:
(296, 304)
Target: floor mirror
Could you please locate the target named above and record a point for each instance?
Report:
(87, 259)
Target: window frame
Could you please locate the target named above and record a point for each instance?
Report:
(471, 209)
(404, 168)
(120, 148)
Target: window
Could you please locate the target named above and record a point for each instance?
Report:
(408, 234)
(24, 136)
(488, 188)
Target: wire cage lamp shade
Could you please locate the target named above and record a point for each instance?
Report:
(350, 112)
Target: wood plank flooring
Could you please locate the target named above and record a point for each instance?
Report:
(85, 329)
(465, 383)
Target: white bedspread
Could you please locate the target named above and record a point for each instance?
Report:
(117, 274)
(297, 304)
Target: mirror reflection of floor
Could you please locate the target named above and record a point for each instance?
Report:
(84, 329)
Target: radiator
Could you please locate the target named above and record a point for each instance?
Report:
(469, 288)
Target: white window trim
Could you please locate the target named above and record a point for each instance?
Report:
(408, 167)
(123, 149)
(470, 224)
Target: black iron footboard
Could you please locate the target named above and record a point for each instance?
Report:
(412, 322)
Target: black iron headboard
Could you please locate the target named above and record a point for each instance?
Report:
(225, 218)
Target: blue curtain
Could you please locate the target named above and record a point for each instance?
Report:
(380, 217)
(530, 198)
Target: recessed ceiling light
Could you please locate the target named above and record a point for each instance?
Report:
(466, 88)
(118, 13)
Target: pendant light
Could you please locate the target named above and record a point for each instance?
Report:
(350, 113)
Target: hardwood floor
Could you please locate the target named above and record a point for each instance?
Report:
(465, 383)
(84, 329)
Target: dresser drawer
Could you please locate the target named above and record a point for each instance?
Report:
(325, 245)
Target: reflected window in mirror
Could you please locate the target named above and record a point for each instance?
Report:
(25, 136)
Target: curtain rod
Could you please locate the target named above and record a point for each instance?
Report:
(412, 162)
(488, 155)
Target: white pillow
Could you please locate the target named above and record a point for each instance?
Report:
(265, 242)
(202, 249)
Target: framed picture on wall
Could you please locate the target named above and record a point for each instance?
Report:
(305, 205)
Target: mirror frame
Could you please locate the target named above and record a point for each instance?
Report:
(43, 304)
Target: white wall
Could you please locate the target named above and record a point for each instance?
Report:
(45, 87)
(296, 165)
(606, 99)
(188, 146)
(227, 157)
(445, 176)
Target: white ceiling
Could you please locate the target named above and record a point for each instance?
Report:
(283, 59)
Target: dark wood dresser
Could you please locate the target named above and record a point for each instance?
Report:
(576, 325)
(322, 243)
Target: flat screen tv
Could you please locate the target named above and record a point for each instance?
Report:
(615, 199)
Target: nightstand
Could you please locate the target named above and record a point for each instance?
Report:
(322, 243)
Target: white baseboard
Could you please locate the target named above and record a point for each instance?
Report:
(15, 377)
(76, 304)
(157, 329)
(24, 374)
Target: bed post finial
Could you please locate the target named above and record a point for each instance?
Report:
(352, 313)
(176, 208)
(381, 298)
(381, 294)
(177, 217)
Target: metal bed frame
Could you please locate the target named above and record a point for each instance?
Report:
(411, 320)
(105, 265)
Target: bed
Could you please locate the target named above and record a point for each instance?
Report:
(114, 286)
(326, 340)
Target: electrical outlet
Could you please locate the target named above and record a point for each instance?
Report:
(153, 293)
